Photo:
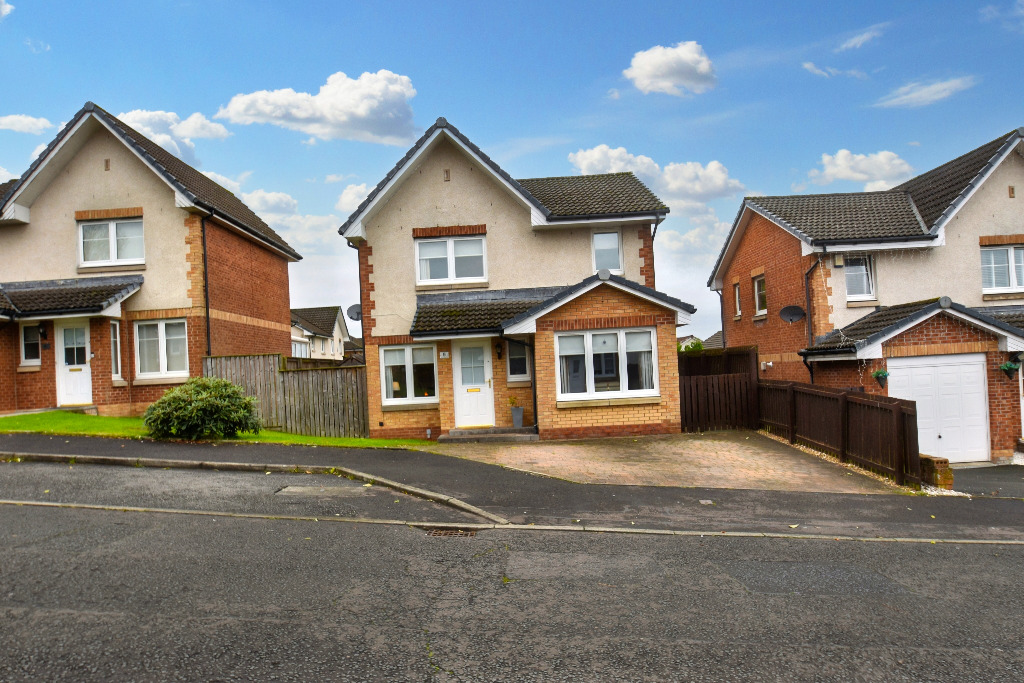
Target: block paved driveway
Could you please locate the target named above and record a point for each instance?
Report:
(728, 459)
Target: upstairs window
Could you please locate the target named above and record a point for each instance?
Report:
(1002, 269)
(607, 251)
(860, 278)
(452, 259)
(760, 296)
(111, 242)
(736, 298)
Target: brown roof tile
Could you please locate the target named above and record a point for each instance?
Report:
(594, 195)
(848, 216)
(319, 320)
(79, 295)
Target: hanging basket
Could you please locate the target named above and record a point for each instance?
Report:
(881, 380)
(1010, 372)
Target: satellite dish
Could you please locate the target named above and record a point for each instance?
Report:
(792, 313)
(355, 312)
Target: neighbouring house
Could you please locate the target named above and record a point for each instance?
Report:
(319, 332)
(685, 339)
(122, 267)
(924, 282)
(714, 341)
(478, 290)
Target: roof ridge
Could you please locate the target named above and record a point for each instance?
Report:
(579, 175)
(891, 190)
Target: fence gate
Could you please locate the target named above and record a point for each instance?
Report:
(718, 389)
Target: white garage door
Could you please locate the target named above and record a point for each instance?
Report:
(952, 403)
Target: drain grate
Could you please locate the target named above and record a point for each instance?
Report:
(451, 533)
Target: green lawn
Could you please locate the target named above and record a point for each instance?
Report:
(76, 424)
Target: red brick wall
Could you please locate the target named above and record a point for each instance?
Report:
(38, 389)
(247, 280)
(646, 256)
(767, 249)
(8, 366)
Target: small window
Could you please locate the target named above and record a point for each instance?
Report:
(332, 347)
(860, 278)
(1002, 269)
(300, 348)
(518, 361)
(30, 345)
(115, 350)
(408, 374)
(112, 242)
(736, 298)
(760, 296)
(161, 349)
(323, 346)
(451, 259)
(607, 364)
(607, 252)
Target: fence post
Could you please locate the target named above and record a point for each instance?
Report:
(901, 443)
(791, 419)
(844, 426)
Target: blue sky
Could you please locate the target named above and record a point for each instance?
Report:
(301, 107)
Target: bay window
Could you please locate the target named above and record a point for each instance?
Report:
(408, 374)
(111, 242)
(1002, 269)
(161, 349)
(607, 364)
(451, 259)
(860, 278)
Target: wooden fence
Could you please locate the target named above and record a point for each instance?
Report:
(314, 401)
(876, 432)
(709, 402)
(737, 359)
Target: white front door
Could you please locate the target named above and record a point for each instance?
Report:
(474, 396)
(74, 376)
(952, 403)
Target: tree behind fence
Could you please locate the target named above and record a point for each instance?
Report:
(309, 401)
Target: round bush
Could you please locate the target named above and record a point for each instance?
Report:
(203, 407)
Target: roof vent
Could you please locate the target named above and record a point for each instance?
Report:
(945, 302)
(603, 274)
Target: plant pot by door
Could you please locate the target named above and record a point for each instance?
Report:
(517, 417)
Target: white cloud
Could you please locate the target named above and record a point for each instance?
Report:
(37, 46)
(233, 184)
(829, 72)
(919, 94)
(351, 197)
(5, 9)
(278, 203)
(168, 130)
(38, 150)
(604, 159)
(672, 70)
(862, 38)
(20, 123)
(336, 177)
(309, 142)
(6, 175)
(614, 94)
(372, 108)
(1011, 17)
(878, 171)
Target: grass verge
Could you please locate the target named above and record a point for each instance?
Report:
(76, 424)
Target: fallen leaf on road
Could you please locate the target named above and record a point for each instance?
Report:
(46, 491)
(365, 485)
(933, 516)
(793, 526)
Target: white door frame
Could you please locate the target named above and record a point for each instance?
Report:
(63, 375)
(487, 389)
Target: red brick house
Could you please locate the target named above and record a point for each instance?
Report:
(924, 281)
(479, 290)
(122, 267)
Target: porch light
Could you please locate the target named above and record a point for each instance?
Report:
(42, 331)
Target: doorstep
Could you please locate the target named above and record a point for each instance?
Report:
(490, 435)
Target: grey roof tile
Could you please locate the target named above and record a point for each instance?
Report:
(714, 341)
(847, 338)
(849, 216)
(79, 295)
(319, 320)
(594, 195)
(453, 314)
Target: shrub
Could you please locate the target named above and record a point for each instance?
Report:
(202, 407)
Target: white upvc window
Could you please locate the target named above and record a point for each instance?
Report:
(115, 349)
(736, 298)
(760, 296)
(1002, 269)
(161, 349)
(607, 364)
(408, 374)
(451, 259)
(518, 361)
(860, 278)
(31, 344)
(607, 251)
(300, 348)
(115, 242)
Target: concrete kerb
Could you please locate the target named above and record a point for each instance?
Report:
(255, 467)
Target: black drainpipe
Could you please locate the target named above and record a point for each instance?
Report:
(810, 318)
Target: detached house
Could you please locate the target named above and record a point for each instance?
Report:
(924, 281)
(121, 267)
(320, 332)
(479, 291)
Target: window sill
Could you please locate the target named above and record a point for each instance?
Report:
(519, 383)
(737, 317)
(443, 286)
(1002, 296)
(153, 381)
(602, 402)
(119, 382)
(411, 406)
(29, 368)
(760, 316)
(862, 303)
(112, 268)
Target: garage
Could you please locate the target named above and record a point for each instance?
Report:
(951, 392)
